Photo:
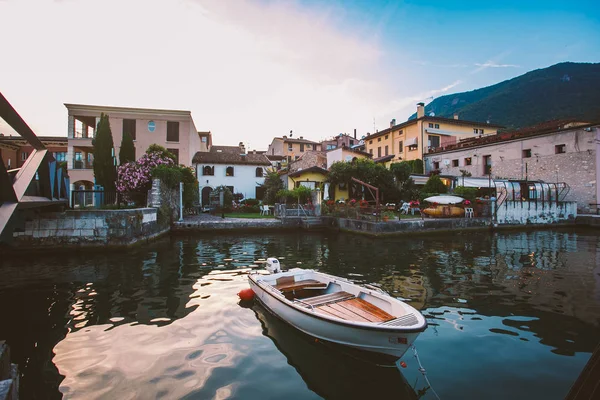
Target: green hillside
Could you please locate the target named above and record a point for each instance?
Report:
(562, 91)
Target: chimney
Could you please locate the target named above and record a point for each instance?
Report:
(242, 148)
(301, 137)
(284, 137)
(354, 133)
(420, 110)
(392, 122)
(455, 115)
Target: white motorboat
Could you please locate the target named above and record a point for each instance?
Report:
(336, 310)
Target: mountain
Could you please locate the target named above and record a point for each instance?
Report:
(562, 91)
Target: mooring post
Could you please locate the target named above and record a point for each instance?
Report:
(180, 201)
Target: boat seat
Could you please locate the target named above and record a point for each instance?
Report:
(328, 298)
(287, 285)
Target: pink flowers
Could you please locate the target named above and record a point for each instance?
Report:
(136, 176)
(467, 202)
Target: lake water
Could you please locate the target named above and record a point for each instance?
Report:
(511, 315)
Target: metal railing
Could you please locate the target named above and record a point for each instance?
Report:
(102, 198)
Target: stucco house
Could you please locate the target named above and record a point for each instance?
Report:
(173, 129)
(554, 151)
(291, 148)
(230, 166)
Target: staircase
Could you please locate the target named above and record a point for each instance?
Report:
(312, 223)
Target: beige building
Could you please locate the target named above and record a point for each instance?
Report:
(550, 152)
(413, 139)
(173, 129)
(292, 148)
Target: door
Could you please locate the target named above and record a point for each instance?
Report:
(206, 195)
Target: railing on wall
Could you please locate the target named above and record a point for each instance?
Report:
(102, 198)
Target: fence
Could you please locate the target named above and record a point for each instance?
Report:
(102, 198)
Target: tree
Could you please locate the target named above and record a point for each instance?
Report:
(105, 170)
(367, 171)
(272, 185)
(434, 185)
(127, 152)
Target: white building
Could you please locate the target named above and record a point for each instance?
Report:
(231, 166)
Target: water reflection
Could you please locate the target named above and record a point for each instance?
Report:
(328, 371)
(164, 321)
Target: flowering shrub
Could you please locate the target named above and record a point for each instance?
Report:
(467, 202)
(137, 176)
(330, 202)
(352, 203)
(414, 203)
(364, 203)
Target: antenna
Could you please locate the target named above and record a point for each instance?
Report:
(374, 129)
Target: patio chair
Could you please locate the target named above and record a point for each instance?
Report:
(469, 212)
(264, 210)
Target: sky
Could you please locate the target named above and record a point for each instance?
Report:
(249, 70)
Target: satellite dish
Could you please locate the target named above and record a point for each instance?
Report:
(432, 114)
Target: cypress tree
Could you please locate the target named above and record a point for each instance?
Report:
(104, 165)
(127, 152)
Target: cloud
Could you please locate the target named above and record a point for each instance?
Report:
(490, 64)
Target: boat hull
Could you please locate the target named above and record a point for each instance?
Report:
(387, 342)
(444, 211)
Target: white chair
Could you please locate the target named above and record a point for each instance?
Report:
(264, 210)
(469, 212)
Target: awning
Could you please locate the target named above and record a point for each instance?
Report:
(474, 182)
(411, 142)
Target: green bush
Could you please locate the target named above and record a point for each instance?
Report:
(434, 185)
(468, 193)
(173, 175)
(251, 202)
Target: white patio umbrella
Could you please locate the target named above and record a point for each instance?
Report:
(445, 199)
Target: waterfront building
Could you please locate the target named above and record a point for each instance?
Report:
(414, 138)
(173, 129)
(292, 148)
(232, 167)
(14, 150)
(554, 151)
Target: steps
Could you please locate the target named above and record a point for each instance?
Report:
(311, 223)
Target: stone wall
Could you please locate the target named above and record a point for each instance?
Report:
(529, 212)
(95, 228)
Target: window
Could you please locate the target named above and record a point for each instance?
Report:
(129, 127)
(475, 130)
(431, 125)
(386, 137)
(400, 148)
(437, 126)
(172, 131)
(371, 151)
(290, 147)
(455, 163)
(379, 139)
(379, 151)
(24, 155)
(351, 142)
(60, 156)
(481, 131)
(527, 153)
(370, 142)
(560, 149)
(434, 141)
(468, 161)
(229, 171)
(331, 146)
(387, 150)
(176, 154)
(436, 165)
(259, 172)
(208, 170)
(308, 146)
(203, 139)
(296, 158)
(301, 147)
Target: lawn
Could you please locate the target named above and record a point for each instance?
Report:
(248, 215)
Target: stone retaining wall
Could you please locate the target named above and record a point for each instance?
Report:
(235, 224)
(94, 228)
(529, 212)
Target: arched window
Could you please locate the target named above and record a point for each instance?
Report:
(207, 170)
(229, 171)
(259, 172)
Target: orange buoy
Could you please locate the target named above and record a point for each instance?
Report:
(402, 364)
(246, 294)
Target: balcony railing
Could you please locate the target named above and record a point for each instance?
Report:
(82, 164)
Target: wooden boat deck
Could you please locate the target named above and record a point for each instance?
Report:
(346, 306)
(286, 284)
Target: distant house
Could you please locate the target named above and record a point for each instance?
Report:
(341, 140)
(230, 166)
(291, 148)
(414, 138)
(173, 129)
(14, 150)
(555, 151)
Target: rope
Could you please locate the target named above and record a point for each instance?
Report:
(422, 370)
